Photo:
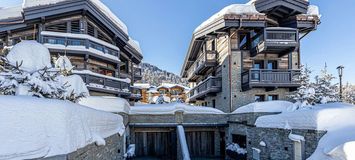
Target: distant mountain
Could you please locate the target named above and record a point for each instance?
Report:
(155, 76)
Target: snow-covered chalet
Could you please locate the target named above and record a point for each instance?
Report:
(94, 39)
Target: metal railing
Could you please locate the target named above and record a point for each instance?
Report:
(270, 78)
(105, 83)
(210, 85)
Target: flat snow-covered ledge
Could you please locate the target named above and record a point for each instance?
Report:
(106, 103)
(88, 72)
(266, 107)
(79, 36)
(171, 108)
(83, 49)
(36, 127)
(11, 12)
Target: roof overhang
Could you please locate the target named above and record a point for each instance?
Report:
(221, 25)
(282, 8)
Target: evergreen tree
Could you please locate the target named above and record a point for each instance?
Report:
(326, 91)
(305, 94)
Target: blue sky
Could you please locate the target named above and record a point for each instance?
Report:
(164, 29)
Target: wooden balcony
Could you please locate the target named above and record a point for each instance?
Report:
(106, 85)
(262, 78)
(275, 40)
(210, 86)
(205, 62)
(138, 73)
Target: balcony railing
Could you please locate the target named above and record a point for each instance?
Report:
(263, 78)
(138, 73)
(106, 84)
(211, 85)
(275, 40)
(204, 62)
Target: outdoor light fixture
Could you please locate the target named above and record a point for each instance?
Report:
(340, 73)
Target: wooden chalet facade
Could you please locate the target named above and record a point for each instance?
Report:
(239, 58)
(95, 40)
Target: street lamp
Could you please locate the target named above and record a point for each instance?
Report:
(340, 73)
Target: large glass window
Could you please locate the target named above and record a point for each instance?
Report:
(272, 97)
(272, 64)
(259, 98)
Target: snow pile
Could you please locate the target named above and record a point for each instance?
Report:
(75, 86)
(11, 12)
(240, 9)
(108, 104)
(36, 128)
(142, 85)
(313, 10)
(30, 55)
(158, 109)
(335, 118)
(135, 44)
(266, 107)
(63, 63)
(295, 137)
(236, 148)
(101, 7)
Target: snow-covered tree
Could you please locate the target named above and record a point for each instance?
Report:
(27, 71)
(305, 94)
(326, 91)
(349, 93)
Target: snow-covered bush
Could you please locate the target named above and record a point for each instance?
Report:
(305, 94)
(349, 93)
(234, 151)
(325, 91)
(27, 71)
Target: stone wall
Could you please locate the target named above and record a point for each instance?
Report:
(113, 150)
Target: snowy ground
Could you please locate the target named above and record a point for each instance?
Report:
(37, 127)
(336, 118)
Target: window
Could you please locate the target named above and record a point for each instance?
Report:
(272, 64)
(258, 64)
(214, 103)
(75, 26)
(91, 30)
(241, 140)
(272, 97)
(244, 41)
(75, 42)
(259, 98)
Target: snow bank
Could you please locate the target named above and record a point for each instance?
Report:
(171, 108)
(33, 55)
(335, 118)
(108, 104)
(35, 127)
(101, 7)
(135, 44)
(240, 9)
(266, 107)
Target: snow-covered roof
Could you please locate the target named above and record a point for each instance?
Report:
(10, 12)
(108, 104)
(103, 8)
(171, 108)
(266, 107)
(142, 85)
(36, 127)
(170, 85)
(239, 9)
(135, 44)
(32, 55)
(336, 118)
(313, 10)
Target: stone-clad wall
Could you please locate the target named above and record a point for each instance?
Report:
(113, 150)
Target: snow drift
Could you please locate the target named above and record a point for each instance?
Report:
(35, 127)
(171, 108)
(335, 118)
(266, 107)
(108, 104)
(32, 56)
